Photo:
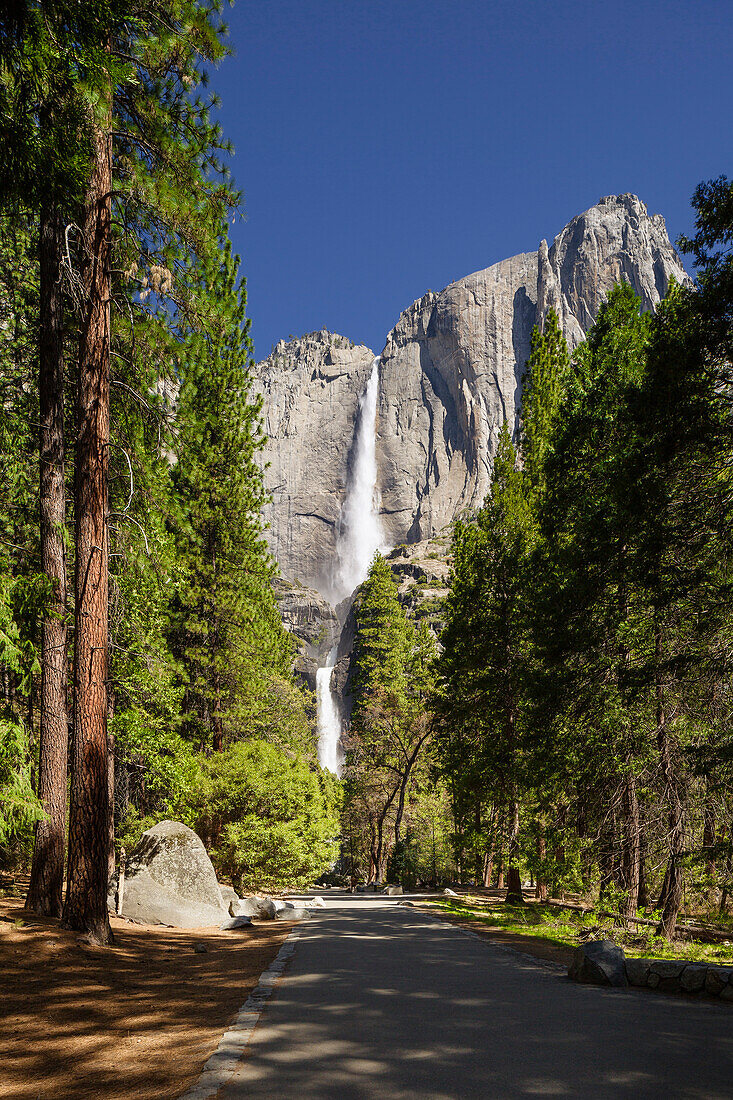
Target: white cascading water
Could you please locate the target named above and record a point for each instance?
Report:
(329, 722)
(360, 532)
(359, 537)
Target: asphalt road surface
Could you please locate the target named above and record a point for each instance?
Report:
(383, 1002)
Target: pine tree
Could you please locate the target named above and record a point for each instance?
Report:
(587, 613)
(682, 535)
(482, 666)
(230, 636)
(392, 677)
(43, 169)
(124, 76)
(545, 386)
(382, 637)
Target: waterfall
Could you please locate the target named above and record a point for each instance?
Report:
(359, 536)
(329, 722)
(360, 532)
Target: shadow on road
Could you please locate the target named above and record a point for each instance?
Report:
(382, 1002)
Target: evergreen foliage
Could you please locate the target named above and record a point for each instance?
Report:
(483, 663)
(197, 648)
(271, 819)
(230, 638)
(617, 586)
(390, 726)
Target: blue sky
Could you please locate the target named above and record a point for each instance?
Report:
(387, 147)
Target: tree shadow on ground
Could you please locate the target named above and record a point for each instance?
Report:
(131, 1021)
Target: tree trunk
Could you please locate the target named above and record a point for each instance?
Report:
(631, 851)
(400, 810)
(607, 848)
(373, 852)
(514, 895)
(643, 880)
(217, 722)
(478, 855)
(541, 854)
(488, 867)
(708, 844)
(672, 890)
(111, 861)
(47, 871)
(86, 895)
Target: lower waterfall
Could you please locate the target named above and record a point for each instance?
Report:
(329, 723)
(359, 537)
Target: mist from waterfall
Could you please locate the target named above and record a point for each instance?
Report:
(359, 537)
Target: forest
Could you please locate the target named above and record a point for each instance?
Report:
(572, 726)
(563, 719)
(141, 646)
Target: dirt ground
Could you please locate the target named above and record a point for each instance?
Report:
(135, 1021)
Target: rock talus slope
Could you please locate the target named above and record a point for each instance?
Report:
(450, 374)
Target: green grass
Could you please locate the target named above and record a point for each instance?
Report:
(566, 928)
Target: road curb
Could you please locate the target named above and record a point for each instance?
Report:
(234, 1042)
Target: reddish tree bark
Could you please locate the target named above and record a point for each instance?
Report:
(89, 827)
(47, 871)
(670, 900)
(514, 895)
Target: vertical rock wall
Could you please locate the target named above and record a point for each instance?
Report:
(453, 365)
(450, 374)
(310, 391)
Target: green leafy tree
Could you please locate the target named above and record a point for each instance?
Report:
(392, 677)
(545, 388)
(272, 820)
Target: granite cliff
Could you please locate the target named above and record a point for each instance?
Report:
(449, 375)
(310, 392)
(452, 369)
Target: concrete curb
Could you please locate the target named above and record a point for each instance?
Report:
(234, 1042)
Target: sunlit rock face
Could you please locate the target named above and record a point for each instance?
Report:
(450, 374)
(452, 369)
(310, 392)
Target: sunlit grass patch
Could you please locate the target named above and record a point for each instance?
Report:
(567, 928)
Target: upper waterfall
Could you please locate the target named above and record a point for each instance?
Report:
(359, 529)
(449, 376)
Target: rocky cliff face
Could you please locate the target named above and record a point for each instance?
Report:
(451, 371)
(310, 391)
(312, 621)
(450, 374)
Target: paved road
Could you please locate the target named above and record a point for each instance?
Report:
(382, 1002)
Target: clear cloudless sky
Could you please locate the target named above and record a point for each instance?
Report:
(385, 147)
